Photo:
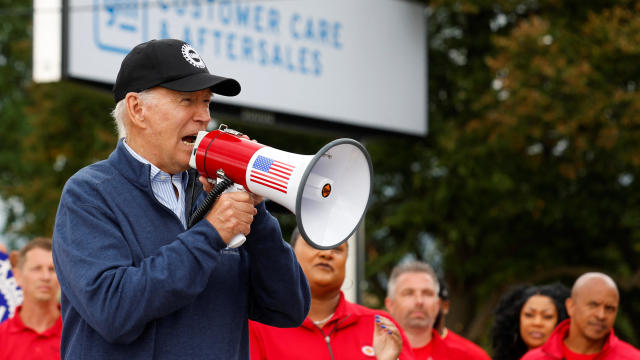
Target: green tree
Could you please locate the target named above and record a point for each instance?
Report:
(70, 127)
(529, 173)
(15, 71)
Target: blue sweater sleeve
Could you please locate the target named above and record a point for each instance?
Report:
(279, 292)
(114, 293)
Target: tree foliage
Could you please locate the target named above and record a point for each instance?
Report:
(15, 71)
(530, 170)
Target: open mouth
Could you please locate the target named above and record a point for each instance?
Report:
(189, 140)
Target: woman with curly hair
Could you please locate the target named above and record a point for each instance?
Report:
(525, 317)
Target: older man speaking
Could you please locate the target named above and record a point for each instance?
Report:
(136, 282)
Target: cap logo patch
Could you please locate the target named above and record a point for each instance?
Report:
(192, 56)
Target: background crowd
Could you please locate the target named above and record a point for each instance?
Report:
(530, 322)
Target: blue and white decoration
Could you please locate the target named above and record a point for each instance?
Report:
(10, 292)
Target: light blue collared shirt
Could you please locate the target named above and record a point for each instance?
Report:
(162, 185)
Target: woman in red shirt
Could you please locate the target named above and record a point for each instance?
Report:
(335, 329)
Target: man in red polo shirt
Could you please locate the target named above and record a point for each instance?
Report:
(412, 300)
(35, 329)
(588, 333)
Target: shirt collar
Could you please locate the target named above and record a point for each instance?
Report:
(345, 314)
(16, 325)
(155, 174)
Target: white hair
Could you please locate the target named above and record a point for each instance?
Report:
(119, 112)
(118, 116)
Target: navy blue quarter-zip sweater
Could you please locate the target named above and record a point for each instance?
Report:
(136, 285)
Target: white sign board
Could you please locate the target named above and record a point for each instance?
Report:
(355, 62)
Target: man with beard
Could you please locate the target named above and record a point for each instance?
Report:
(412, 300)
(588, 333)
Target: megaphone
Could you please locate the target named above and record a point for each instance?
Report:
(328, 192)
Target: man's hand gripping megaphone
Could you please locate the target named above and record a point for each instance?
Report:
(226, 204)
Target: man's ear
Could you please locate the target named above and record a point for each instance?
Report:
(388, 304)
(17, 273)
(135, 110)
(569, 304)
(444, 306)
(13, 258)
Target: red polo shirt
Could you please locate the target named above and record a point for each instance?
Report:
(554, 348)
(348, 335)
(439, 349)
(20, 342)
(472, 351)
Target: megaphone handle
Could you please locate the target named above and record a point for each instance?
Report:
(237, 241)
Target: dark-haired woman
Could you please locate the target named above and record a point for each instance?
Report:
(525, 317)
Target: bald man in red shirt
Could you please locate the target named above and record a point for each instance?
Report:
(588, 333)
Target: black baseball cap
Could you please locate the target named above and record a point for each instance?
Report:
(172, 64)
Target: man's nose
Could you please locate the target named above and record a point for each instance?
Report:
(203, 114)
(45, 274)
(419, 299)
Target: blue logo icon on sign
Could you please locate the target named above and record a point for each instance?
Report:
(119, 24)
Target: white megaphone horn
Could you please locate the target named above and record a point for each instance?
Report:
(328, 192)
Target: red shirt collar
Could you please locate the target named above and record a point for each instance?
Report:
(16, 325)
(553, 345)
(436, 345)
(344, 315)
